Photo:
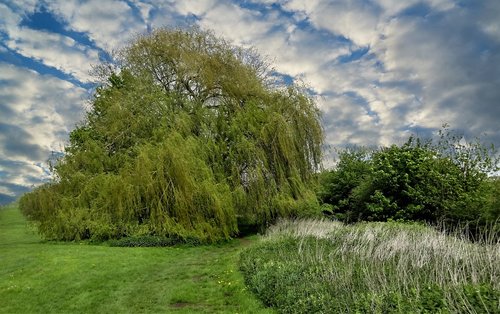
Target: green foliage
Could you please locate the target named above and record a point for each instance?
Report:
(336, 186)
(186, 138)
(327, 267)
(417, 181)
(493, 192)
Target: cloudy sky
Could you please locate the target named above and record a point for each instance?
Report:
(380, 69)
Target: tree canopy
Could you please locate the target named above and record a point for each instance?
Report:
(187, 135)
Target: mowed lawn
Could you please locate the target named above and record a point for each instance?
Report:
(37, 276)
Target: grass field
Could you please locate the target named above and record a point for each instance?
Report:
(49, 277)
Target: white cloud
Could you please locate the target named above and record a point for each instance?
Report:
(488, 20)
(36, 114)
(58, 51)
(393, 7)
(347, 122)
(110, 24)
(22, 6)
(6, 191)
(43, 106)
(195, 7)
(356, 20)
(242, 26)
(420, 71)
(445, 57)
(397, 85)
(54, 50)
(9, 17)
(302, 55)
(145, 10)
(19, 176)
(426, 62)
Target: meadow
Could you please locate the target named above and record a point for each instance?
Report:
(315, 266)
(299, 266)
(38, 276)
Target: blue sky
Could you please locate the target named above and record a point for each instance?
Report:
(380, 69)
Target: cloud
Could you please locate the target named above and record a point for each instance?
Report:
(6, 198)
(20, 6)
(384, 68)
(240, 25)
(37, 113)
(453, 62)
(18, 177)
(110, 24)
(9, 17)
(194, 6)
(356, 20)
(293, 51)
(339, 120)
(51, 49)
(16, 142)
(55, 103)
(427, 62)
(488, 20)
(380, 69)
(303, 55)
(10, 190)
(60, 52)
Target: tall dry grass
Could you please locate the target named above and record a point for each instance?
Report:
(411, 266)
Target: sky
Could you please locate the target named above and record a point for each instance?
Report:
(380, 70)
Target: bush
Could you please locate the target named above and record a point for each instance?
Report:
(336, 186)
(417, 181)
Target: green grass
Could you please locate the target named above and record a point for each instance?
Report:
(53, 277)
(327, 267)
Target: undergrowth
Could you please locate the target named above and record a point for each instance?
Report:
(327, 267)
(153, 241)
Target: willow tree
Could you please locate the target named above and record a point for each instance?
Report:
(185, 136)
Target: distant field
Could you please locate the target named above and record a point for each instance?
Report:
(48, 277)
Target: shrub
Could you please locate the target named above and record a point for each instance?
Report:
(418, 181)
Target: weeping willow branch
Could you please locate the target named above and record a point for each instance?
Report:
(186, 138)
